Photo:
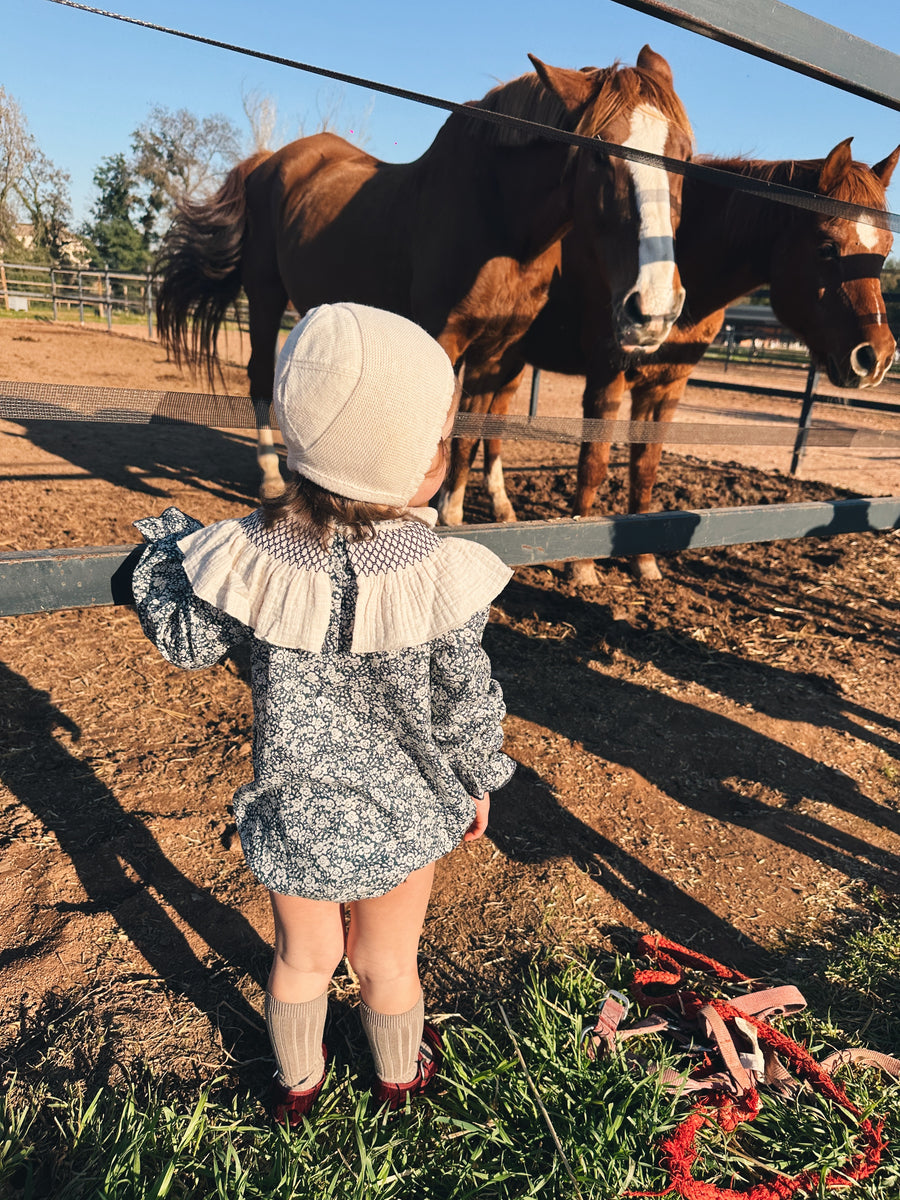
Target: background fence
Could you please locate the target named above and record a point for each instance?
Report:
(29, 287)
(46, 580)
(56, 291)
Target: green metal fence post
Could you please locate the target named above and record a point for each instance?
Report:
(809, 398)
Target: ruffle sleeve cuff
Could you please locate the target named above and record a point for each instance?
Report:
(187, 630)
(468, 709)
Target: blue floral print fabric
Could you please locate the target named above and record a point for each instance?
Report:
(364, 765)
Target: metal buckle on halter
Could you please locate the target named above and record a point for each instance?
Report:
(611, 994)
(620, 997)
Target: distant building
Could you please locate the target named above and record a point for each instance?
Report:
(72, 246)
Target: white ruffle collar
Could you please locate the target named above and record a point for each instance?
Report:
(412, 585)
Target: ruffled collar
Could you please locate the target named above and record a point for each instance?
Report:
(412, 585)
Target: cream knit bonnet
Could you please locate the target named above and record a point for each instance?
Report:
(361, 397)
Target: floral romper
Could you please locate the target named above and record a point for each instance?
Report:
(375, 716)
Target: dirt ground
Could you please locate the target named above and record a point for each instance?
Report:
(713, 757)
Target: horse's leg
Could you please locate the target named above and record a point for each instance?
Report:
(495, 483)
(480, 397)
(651, 400)
(267, 305)
(493, 464)
(602, 399)
(462, 454)
(449, 502)
(453, 493)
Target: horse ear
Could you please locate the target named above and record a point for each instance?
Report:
(885, 169)
(573, 88)
(835, 167)
(649, 60)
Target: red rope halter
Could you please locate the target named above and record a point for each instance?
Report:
(679, 1150)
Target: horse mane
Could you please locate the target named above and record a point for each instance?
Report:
(859, 186)
(620, 89)
(749, 214)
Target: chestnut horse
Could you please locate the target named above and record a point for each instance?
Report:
(823, 274)
(463, 241)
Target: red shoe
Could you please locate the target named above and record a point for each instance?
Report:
(293, 1106)
(393, 1095)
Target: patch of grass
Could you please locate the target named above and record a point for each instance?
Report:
(850, 974)
(482, 1131)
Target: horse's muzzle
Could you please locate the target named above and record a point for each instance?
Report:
(863, 367)
(644, 325)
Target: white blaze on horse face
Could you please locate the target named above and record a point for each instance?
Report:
(660, 296)
(869, 235)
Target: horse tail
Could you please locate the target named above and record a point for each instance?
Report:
(199, 265)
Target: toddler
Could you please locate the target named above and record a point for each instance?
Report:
(377, 727)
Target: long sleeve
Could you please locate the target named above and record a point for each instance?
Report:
(187, 631)
(467, 708)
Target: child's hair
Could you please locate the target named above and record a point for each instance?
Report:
(314, 512)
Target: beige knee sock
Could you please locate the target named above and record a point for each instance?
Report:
(394, 1039)
(295, 1031)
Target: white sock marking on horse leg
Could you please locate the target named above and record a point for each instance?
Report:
(496, 489)
(450, 506)
(267, 458)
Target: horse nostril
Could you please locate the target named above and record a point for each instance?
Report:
(863, 359)
(633, 310)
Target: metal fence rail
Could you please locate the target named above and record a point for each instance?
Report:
(33, 581)
(789, 38)
(106, 292)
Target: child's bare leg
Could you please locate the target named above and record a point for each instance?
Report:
(382, 947)
(309, 944)
(383, 943)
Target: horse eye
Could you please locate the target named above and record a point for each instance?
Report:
(828, 250)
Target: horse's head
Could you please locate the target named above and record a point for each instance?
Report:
(825, 278)
(626, 213)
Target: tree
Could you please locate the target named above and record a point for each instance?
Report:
(14, 149)
(261, 112)
(30, 181)
(43, 190)
(180, 156)
(118, 243)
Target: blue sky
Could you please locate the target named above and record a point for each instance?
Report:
(85, 82)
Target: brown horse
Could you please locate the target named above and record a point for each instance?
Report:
(823, 275)
(464, 240)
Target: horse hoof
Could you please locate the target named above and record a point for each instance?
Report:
(583, 573)
(645, 569)
(450, 516)
(505, 514)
